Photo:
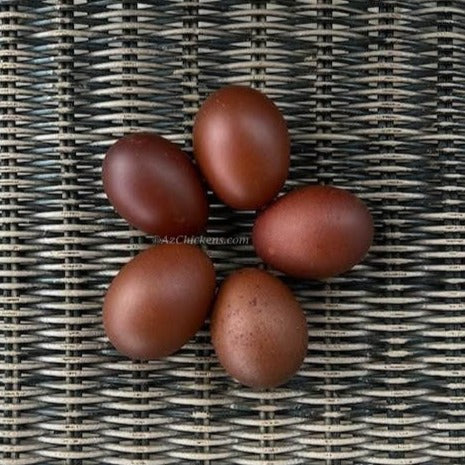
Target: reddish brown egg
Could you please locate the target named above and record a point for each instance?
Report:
(158, 300)
(154, 186)
(314, 232)
(241, 144)
(258, 329)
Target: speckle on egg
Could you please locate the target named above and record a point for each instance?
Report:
(314, 232)
(264, 341)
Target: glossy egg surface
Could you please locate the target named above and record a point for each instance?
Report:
(158, 300)
(154, 186)
(241, 144)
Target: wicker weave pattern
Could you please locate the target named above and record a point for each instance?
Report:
(374, 96)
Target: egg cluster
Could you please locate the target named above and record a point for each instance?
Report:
(158, 300)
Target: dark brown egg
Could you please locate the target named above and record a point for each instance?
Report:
(242, 146)
(158, 301)
(258, 329)
(154, 186)
(314, 232)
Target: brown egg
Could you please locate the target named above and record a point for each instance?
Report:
(154, 186)
(314, 232)
(158, 300)
(258, 329)
(241, 144)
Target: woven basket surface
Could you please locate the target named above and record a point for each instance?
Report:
(374, 96)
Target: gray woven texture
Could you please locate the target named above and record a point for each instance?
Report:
(374, 96)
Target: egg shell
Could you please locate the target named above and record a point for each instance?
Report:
(258, 329)
(159, 300)
(154, 186)
(314, 232)
(242, 146)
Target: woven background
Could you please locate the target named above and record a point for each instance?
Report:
(374, 96)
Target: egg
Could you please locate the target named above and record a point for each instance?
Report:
(314, 232)
(241, 144)
(158, 300)
(258, 329)
(154, 186)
